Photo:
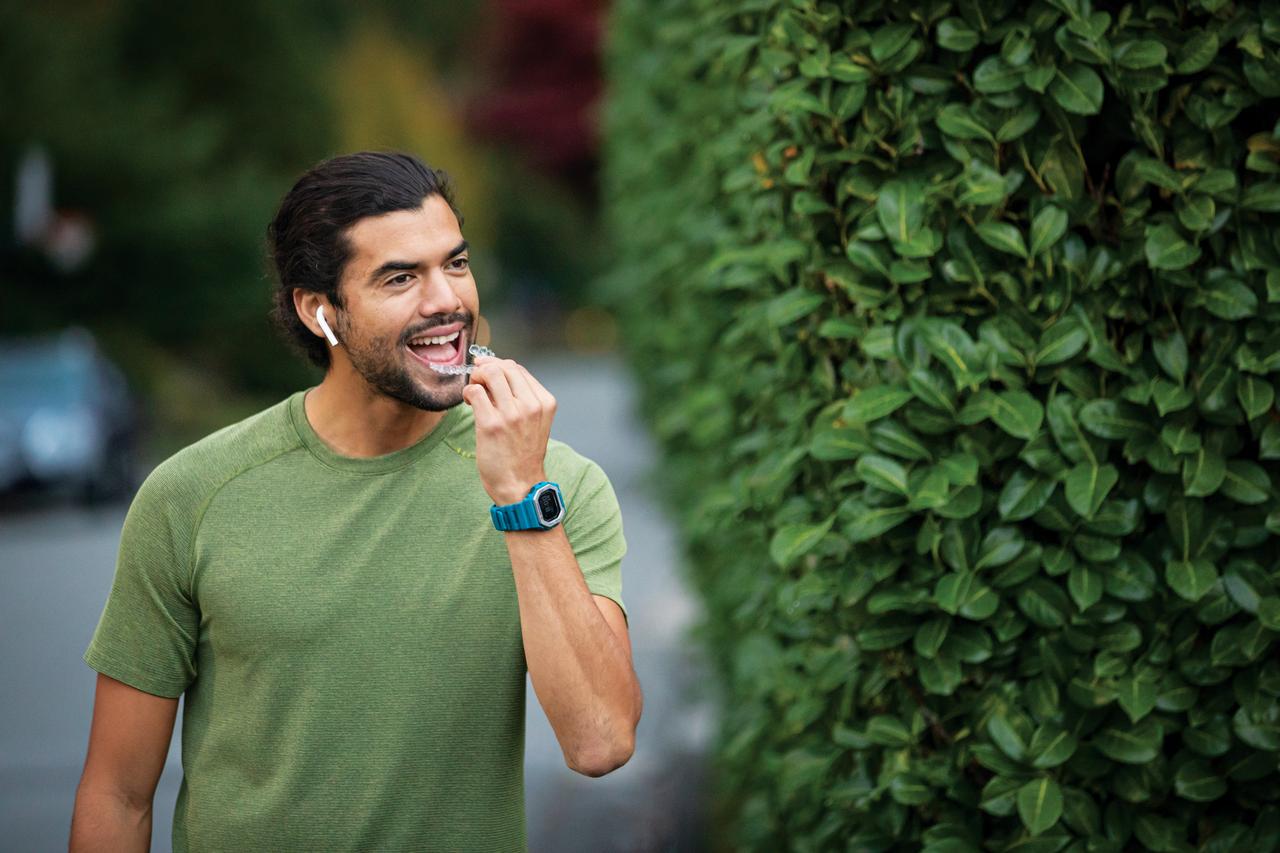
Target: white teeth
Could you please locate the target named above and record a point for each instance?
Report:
(439, 339)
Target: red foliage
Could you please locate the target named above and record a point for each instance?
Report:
(540, 60)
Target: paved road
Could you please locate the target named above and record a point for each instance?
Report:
(55, 570)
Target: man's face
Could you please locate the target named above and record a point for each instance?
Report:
(408, 278)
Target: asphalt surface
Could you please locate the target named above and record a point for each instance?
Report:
(56, 562)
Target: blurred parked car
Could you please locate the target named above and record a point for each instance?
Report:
(68, 420)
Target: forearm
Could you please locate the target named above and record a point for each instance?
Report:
(580, 669)
(107, 822)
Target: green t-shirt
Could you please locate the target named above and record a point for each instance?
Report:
(346, 632)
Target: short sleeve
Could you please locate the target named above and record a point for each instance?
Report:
(146, 636)
(593, 523)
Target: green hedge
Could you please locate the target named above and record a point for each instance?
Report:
(959, 324)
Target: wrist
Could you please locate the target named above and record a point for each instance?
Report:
(514, 491)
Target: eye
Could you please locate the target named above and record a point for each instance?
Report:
(403, 278)
(461, 259)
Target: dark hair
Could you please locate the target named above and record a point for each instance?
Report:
(308, 237)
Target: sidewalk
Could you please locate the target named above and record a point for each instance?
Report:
(656, 801)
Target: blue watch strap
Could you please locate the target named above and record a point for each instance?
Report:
(524, 514)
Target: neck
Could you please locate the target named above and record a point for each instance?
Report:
(354, 420)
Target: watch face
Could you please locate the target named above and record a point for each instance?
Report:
(548, 504)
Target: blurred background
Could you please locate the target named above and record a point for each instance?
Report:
(143, 148)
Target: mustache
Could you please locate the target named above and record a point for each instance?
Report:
(465, 317)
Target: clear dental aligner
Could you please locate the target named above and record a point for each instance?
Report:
(453, 369)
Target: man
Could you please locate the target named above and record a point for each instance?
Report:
(324, 581)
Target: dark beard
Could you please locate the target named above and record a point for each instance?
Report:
(388, 375)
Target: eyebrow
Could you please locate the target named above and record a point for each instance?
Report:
(409, 266)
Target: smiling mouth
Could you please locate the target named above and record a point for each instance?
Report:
(441, 349)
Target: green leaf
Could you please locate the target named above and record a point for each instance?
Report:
(957, 351)
(930, 635)
(1196, 211)
(1047, 228)
(1256, 396)
(1190, 579)
(793, 541)
(1018, 124)
(1137, 744)
(1171, 354)
(883, 473)
(870, 404)
(890, 39)
(940, 676)
(834, 440)
(961, 468)
(994, 76)
(1181, 437)
(869, 522)
(1159, 833)
(790, 306)
(1197, 52)
(1203, 472)
(999, 797)
(962, 593)
(1185, 518)
(1006, 737)
(1263, 197)
(1037, 79)
(1144, 53)
(1044, 603)
(1114, 419)
(1024, 494)
(1067, 432)
(1051, 746)
(1196, 782)
(956, 120)
(1061, 341)
(1171, 398)
(932, 389)
(1077, 89)
(1260, 731)
(1167, 250)
(982, 185)
(1087, 486)
(1137, 696)
(1230, 299)
(885, 730)
(999, 546)
(1269, 612)
(1085, 586)
(1039, 804)
(1003, 237)
(956, 35)
(900, 208)
(1017, 413)
(1246, 482)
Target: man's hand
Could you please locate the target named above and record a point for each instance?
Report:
(513, 422)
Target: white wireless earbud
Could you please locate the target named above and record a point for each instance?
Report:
(328, 333)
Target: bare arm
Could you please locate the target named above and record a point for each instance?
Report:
(576, 645)
(578, 652)
(128, 741)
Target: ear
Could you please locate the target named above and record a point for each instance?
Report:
(308, 304)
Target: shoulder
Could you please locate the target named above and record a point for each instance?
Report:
(190, 476)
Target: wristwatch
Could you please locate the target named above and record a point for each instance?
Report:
(541, 509)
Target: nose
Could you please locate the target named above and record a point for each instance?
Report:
(438, 295)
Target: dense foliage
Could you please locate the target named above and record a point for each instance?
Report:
(959, 324)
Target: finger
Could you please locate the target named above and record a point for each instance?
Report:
(518, 379)
(478, 399)
(543, 395)
(491, 376)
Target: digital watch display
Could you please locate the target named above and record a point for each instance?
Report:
(542, 509)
